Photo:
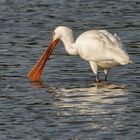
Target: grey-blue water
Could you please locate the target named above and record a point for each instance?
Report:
(67, 104)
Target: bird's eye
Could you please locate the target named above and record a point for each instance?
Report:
(53, 33)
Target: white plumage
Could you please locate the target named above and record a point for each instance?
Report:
(99, 47)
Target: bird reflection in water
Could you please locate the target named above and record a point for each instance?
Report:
(97, 86)
(87, 104)
(37, 84)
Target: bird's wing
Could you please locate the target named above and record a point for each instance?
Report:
(113, 43)
(100, 45)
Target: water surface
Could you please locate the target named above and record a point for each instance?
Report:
(66, 104)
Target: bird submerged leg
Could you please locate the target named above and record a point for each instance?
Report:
(105, 71)
(94, 68)
(97, 78)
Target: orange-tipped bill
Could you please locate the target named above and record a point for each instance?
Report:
(35, 73)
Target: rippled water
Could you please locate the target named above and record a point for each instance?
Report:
(66, 104)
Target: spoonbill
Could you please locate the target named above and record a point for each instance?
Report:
(99, 47)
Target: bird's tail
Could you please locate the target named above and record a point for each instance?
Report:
(131, 61)
(123, 60)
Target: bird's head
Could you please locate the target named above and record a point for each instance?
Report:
(58, 34)
(61, 33)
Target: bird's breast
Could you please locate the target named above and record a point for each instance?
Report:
(107, 64)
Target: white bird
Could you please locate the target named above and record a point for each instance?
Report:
(99, 47)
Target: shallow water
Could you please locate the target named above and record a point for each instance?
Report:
(66, 104)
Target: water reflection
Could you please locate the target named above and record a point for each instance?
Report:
(37, 84)
(87, 109)
(68, 105)
(101, 85)
(102, 92)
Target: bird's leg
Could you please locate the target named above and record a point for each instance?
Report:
(106, 77)
(94, 68)
(105, 71)
(97, 78)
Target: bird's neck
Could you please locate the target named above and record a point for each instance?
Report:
(69, 44)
